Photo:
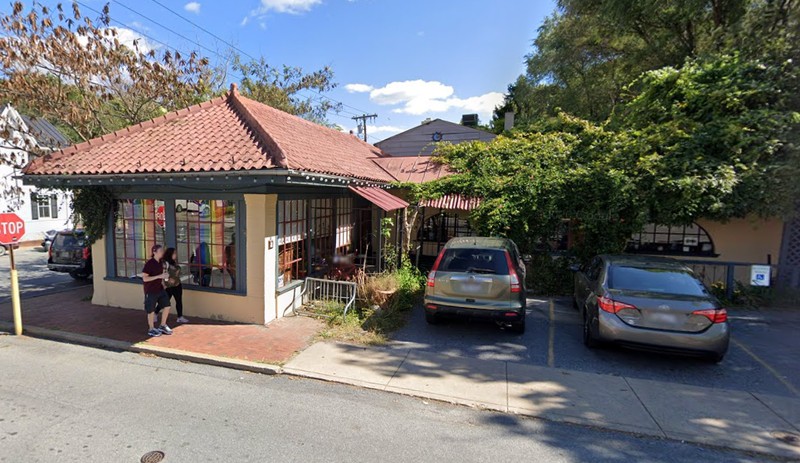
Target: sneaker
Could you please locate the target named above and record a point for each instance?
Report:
(154, 333)
(164, 329)
(183, 320)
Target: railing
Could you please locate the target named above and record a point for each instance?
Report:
(317, 289)
(727, 272)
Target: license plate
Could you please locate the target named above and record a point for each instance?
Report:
(471, 287)
(664, 318)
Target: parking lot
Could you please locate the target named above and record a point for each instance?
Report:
(34, 277)
(763, 355)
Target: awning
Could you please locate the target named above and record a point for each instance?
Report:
(459, 202)
(380, 197)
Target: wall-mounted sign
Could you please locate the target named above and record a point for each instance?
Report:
(759, 275)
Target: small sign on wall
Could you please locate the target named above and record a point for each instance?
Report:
(759, 275)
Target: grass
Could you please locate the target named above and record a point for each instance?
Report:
(384, 303)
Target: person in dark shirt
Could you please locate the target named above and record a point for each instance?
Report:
(156, 299)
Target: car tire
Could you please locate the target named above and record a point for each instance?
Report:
(2, 250)
(575, 302)
(79, 276)
(715, 358)
(518, 327)
(432, 318)
(588, 337)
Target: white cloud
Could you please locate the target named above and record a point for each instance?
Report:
(418, 97)
(279, 6)
(358, 88)
(127, 37)
(373, 129)
(192, 7)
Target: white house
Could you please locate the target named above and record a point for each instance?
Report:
(42, 209)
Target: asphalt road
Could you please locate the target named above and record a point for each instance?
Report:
(60, 402)
(764, 355)
(34, 277)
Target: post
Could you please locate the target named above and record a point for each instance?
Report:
(729, 281)
(15, 294)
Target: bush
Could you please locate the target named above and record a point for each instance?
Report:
(743, 295)
(549, 276)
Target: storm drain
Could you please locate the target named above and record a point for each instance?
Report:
(152, 457)
(787, 437)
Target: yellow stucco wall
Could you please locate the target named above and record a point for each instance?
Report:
(249, 308)
(745, 240)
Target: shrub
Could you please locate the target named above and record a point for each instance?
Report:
(549, 276)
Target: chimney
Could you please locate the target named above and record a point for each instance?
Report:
(469, 120)
(426, 121)
(509, 121)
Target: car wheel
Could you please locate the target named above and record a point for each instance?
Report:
(518, 327)
(2, 250)
(715, 358)
(431, 318)
(588, 337)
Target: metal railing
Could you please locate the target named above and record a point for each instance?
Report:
(728, 273)
(317, 289)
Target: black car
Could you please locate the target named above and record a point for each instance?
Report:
(71, 253)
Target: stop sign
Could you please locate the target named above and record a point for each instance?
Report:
(11, 228)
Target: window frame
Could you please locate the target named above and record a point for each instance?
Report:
(652, 230)
(169, 199)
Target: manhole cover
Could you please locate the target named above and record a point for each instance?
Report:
(787, 437)
(152, 457)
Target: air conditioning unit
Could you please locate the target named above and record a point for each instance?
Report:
(469, 120)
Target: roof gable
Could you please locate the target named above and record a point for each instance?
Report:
(229, 133)
(436, 124)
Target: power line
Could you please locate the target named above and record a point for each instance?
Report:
(232, 46)
(363, 125)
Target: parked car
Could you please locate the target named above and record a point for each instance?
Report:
(478, 277)
(651, 303)
(202, 209)
(71, 253)
(5, 247)
(47, 239)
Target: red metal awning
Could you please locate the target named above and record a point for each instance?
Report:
(459, 202)
(380, 197)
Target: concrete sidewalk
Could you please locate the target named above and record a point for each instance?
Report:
(733, 419)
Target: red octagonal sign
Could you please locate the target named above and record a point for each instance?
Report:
(11, 228)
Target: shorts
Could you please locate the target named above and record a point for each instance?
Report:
(154, 302)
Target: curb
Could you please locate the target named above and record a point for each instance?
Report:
(165, 352)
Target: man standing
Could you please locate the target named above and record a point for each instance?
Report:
(156, 299)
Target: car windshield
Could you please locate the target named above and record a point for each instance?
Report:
(468, 260)
(654, 280)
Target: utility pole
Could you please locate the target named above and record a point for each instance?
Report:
(362, 126)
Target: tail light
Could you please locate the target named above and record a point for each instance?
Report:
(432, 274)
(609, 305)
(512, 272)
(50, 251)
(86, 252)
(714, 315)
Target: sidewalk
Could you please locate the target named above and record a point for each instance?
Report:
(732, 419)
(71, 316)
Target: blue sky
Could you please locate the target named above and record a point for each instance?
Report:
(405, 60)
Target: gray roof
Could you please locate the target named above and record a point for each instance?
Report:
(46, 133)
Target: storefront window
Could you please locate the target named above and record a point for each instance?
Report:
(321, 236)
(344, 225)
(206, 242)
(672, 240)
(292, 233)
(140, 223)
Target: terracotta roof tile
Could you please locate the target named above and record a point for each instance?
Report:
(416, 169)
(223, 134)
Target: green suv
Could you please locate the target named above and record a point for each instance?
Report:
(478, 278)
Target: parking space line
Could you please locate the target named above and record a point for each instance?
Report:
(551, 355)
(768, 367)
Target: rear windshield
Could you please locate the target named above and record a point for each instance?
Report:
(489, 261)
(64, 240)
(654, 280)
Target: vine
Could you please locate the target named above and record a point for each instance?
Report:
(91, 206)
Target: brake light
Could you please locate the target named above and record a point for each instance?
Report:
(432, 273)
(714, 315)
(606, 304)
(515, 286)
(86, 252)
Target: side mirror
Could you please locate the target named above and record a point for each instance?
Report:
(527, 258)
(575, 268)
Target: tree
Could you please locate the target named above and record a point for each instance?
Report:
(281, 87)
(75, 71)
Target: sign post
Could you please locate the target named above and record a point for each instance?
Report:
(12, 228)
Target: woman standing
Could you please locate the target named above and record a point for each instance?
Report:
(173, 283)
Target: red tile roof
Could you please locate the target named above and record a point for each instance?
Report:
(229, 133)
(415, 169)
(380, 197)
(454, 201)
